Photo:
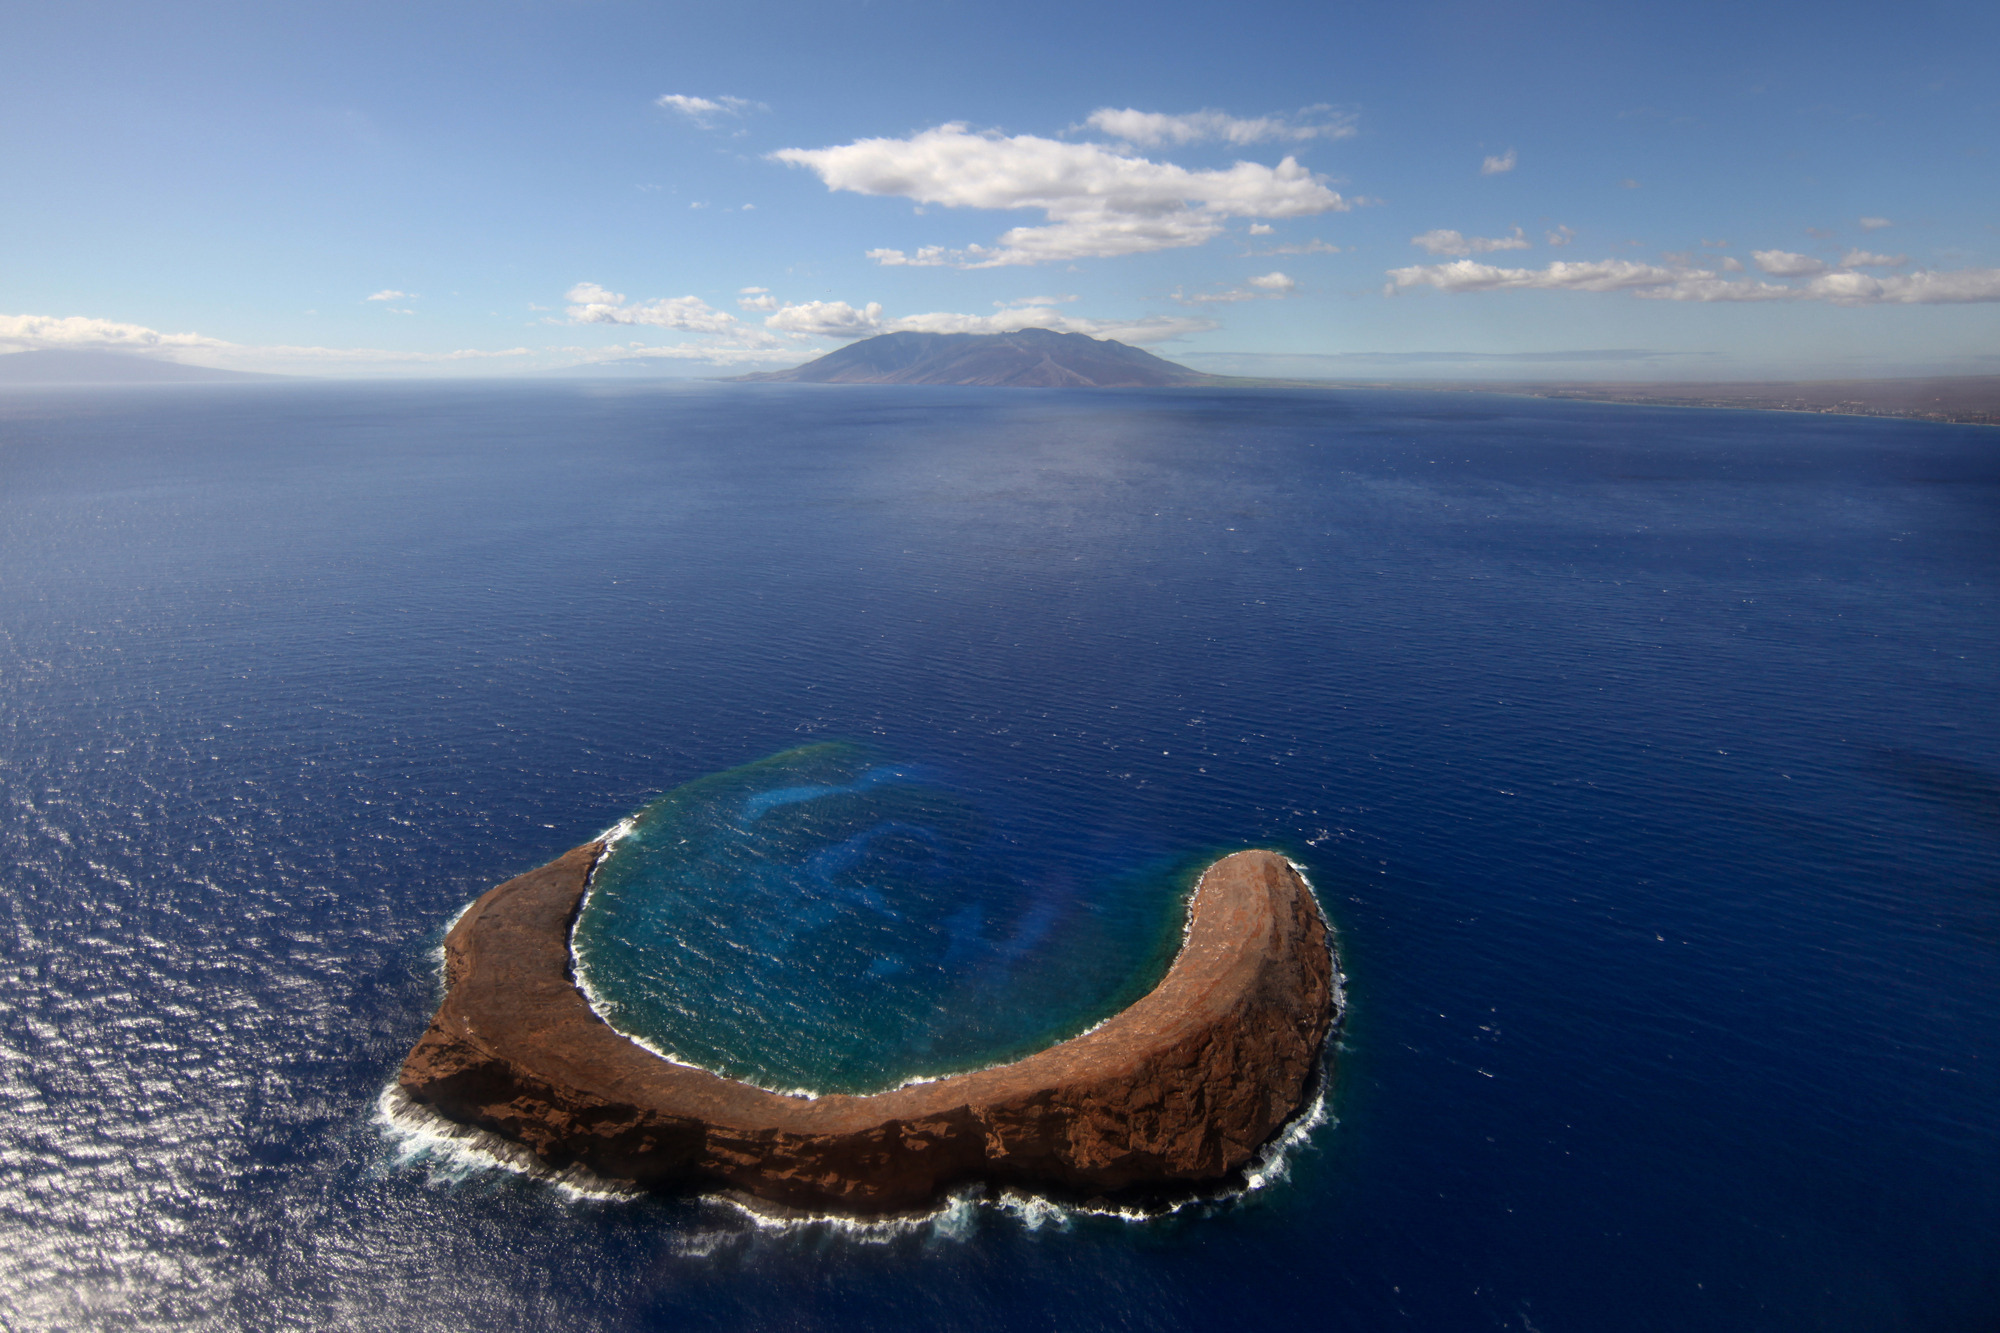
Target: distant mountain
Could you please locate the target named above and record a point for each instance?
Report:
(53, 366)
(1032, 358)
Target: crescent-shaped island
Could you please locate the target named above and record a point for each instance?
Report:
(1180, 1089)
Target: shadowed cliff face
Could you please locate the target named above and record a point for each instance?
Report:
(1032, 358)
(1183, 1087)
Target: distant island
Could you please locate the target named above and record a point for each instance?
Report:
(1972, 400)
(1029, 359)
(54, 367)
(1042, 358)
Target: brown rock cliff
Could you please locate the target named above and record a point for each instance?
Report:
(1182, 1087)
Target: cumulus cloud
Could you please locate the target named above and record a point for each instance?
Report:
(1271, 286)
(1654, 282)
(592, 304)
(1868, 259)
(1499, 165)
(1099, 202)
(829, 319)
(1875, 224)
(841, 321)
(1785, 264)
(31, 333)
(391, 294)
(707, 111)
(1951, 287)
(789, 327)
(1559, 236)
(1443, 242)
(1151, 128)
(1466, 275)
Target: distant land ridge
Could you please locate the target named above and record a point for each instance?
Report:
(54, 366)
(1029, 359)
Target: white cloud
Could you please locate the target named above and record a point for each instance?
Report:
(706, 111)
(841, 321)
(1875, 224)
(1688, 284)
(1702, 285)
(1730, 264)
(1272, 286)
(1785, 264)
(592, 304)
(1444, 242)
(1152, 128)
(1150, 329)
(1466, 275)
(1021, 301)
(1869, 259)
(934, 256)
(1099, 202)
(1952, 287)
(1499, 165)
(829, 319)
(1261, 229)
(1560, 236)
(1312, 247)
(758, 299)
(390, 294)
(30, 333)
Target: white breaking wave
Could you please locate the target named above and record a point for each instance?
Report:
(453, 1154)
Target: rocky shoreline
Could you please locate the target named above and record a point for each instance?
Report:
(1179, 1089)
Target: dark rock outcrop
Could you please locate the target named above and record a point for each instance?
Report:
(1183, 1087)
(1029, 359)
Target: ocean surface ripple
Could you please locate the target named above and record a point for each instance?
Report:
(1647, 762)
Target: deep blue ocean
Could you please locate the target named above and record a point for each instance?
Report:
(1647, 763)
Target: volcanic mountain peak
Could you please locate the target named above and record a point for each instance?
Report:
(1030, 358)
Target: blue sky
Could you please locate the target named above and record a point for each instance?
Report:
(1380, 191)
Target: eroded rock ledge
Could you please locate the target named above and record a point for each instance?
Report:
(1180, 1088)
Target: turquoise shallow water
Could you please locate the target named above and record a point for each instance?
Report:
(829, 921)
